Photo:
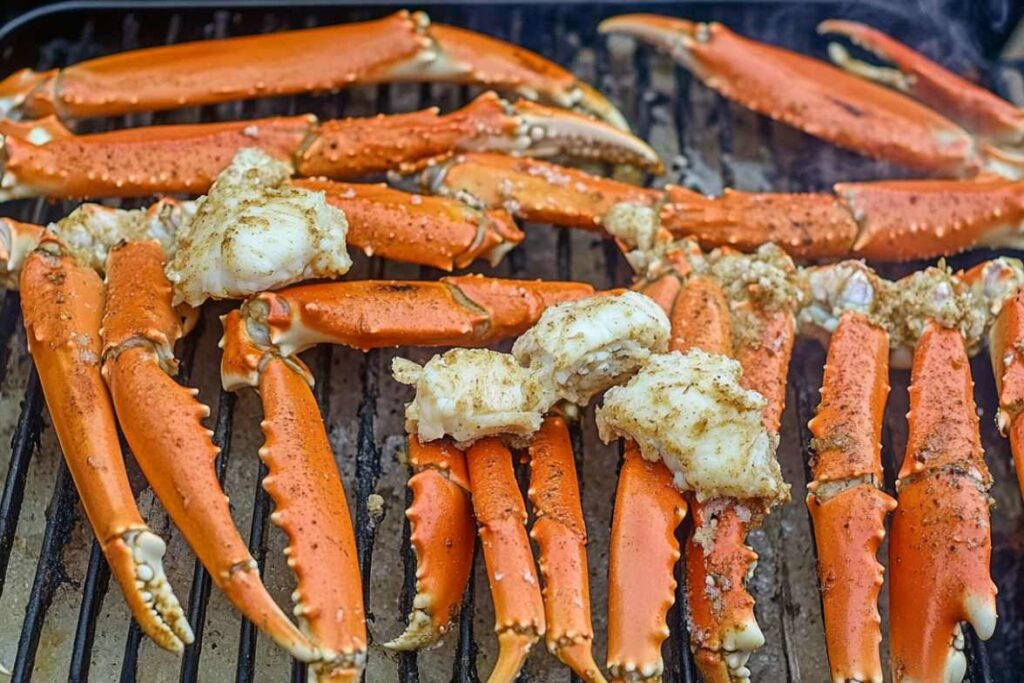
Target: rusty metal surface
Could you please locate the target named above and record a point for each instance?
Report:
(84, 630)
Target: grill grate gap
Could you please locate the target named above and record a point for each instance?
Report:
(49, 573)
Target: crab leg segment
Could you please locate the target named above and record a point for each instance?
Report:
(443, 538)
(718, 561)
(970, 105)
(214, 71)
(431, 231)
(137, 162)
(455, 311)
(501, 515)
(310, 506)
(63, 307)
(533, 190)
(847, 508)
(403, 47)
(941, 542)
(814, 96)
(186, 158)
(1008, 367)
(641, 563)
(162, 422)
(561, 537)
(352, 147)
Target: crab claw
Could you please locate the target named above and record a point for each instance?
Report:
(309, 500)
(973, 107)
(162, 422)
(561, 537)
(46, 161)
(501, 515)
(940, 543)
(814, 96)
(443, 539)
(63, 307)
(350, 148)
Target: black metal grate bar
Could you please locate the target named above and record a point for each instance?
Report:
(97, 579)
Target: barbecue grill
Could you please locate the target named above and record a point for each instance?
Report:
(58, 618)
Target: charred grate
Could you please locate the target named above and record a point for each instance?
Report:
(711, 143)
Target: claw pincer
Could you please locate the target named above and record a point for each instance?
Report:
(176, 452)
(443, 537)
(63, 307)
(940, 543)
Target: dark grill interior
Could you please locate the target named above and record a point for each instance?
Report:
(56, 593)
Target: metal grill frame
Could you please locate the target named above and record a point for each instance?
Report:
(63, 510)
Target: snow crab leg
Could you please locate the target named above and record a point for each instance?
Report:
(943, 487)
(895, 220)
(820, 99)
(48, 160)
(561, 536)
(515, 588)
(63, 306)
(176, 453)
(847, 507)
(402, 47)
(718, 561)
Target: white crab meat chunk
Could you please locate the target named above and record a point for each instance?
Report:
(469, 394)
(690, 411)
(92, 230)
(581, 348)
(253, 233)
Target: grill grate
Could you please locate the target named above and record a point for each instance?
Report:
(722, 145)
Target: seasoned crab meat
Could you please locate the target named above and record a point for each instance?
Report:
(690, 411)
(582, 347)
(469, 394)
(253, 233)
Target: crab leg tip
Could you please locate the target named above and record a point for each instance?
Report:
(579, 657)
(443, 539)
(513, 648)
